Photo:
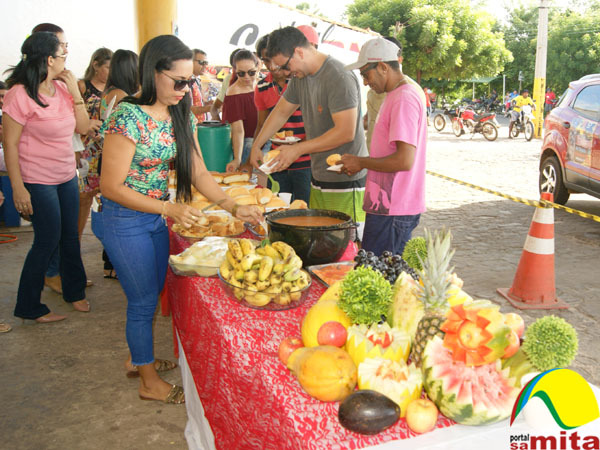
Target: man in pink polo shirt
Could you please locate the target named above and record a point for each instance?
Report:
(395, 187)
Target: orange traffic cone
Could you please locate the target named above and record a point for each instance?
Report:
(533, 286)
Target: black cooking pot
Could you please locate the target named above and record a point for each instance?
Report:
(314, 245)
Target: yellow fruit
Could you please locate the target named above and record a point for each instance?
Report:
(333, 292)
(325, 372)
(456, 296)
(394, 379)
(321, 312)
(360, 347)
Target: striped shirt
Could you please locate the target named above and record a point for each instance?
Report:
(266, 95)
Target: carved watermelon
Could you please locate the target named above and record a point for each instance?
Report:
(468, 395)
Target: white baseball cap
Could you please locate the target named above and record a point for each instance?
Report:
(375, 50)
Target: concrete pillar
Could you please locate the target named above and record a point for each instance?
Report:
(155, 17)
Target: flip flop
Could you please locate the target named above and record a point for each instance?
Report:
(175, 396)
(4, 327)
(161, 365)
(110, 273)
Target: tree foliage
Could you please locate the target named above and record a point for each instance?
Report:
(441, 38)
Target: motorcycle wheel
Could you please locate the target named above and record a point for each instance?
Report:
(489, 131)
(529, 131)
(515, 131)
(456, 128)
(439, 122)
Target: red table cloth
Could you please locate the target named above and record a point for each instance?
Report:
(249, 397)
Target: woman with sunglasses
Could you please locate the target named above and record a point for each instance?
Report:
(239, 108)
(41, 111)
(143, 135)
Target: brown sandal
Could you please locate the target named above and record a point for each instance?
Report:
(161, 365)
(175, 396)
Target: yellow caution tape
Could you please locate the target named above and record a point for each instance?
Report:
(542, 203)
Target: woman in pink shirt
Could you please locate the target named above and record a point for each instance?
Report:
(42, 109)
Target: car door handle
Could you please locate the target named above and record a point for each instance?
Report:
(566, 125)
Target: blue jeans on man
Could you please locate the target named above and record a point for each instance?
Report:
(54, 220)
(138, 246)
(388, 232)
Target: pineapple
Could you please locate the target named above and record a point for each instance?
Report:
(433, 290)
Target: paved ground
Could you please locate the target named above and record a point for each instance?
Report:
(64, 386)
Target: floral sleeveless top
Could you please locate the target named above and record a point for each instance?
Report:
(154, 147)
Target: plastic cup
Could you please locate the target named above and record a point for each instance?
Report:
(286, 197)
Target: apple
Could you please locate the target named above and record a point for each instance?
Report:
(332, 333)
(513, 344)
(515, 322)
(287, 347)
(421, 415)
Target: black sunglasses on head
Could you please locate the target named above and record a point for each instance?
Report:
(179, 85)
(242, 74)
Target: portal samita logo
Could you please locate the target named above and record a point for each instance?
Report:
(571, 402)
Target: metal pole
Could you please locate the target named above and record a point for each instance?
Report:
(503, 87)
(539, 82)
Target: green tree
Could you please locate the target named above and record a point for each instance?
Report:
(441, 38)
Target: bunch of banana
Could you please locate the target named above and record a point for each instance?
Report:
(259, 276)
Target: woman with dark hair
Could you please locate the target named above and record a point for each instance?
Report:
(142, 136)
(239, 109)
(91, 87)
(42, 109)
(122, 81)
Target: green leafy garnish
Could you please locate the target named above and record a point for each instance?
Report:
(365, 295)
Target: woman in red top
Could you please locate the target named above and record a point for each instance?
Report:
(239, 109)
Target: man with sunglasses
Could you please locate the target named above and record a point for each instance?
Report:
(395, 188)
(268, 91)
(200, 107)
(329, 97)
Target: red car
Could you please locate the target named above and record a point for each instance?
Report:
(570, 159)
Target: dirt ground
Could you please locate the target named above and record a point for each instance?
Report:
(64, 385)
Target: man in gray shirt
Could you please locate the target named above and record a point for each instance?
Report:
(329, 97)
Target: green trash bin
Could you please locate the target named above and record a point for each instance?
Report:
(215, 143)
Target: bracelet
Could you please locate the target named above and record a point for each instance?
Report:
(234, 209)
(163, 212)
(78, 102)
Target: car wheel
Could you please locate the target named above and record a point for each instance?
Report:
(439, 122)
(551, 180)
(456, 128)
(490, 132)
(529, 131)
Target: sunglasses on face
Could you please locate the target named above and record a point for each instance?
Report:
(286, 66)
(179, 85)
(363, 73)
(242, 74)
(202, 63)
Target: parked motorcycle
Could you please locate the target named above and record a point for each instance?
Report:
(448, 115)
(470, 122)
(523, 122)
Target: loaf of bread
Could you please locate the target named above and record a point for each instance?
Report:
(237, 191)
(246, 200)
(263, 196)
(276, 202)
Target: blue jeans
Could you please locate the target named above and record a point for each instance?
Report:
(138, 246)
(54, 219)
(295, 181)
(388, 232)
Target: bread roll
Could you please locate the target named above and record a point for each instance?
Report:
(271, 155)
(246, 200)
(236, 177)
(276, 202)
(332, 160)
(289, 133)
(280, 135)
(298, 204)
(263, 196)
(237, 191)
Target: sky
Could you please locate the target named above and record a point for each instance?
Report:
(334, 9)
